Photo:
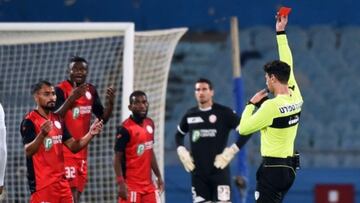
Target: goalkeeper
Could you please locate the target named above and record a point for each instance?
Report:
(208, 125)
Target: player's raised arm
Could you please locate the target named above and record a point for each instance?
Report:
(62, 104)
(32, 141)
(283, 46)
(285, 51)
(77, 145)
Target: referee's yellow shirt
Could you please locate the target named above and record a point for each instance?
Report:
(277, 118)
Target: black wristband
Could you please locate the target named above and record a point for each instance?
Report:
(249, 102)
(280, 32)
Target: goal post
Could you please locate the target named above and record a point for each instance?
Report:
(117, 55)
(29, 33)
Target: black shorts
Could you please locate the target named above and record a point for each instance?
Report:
(214, 187)
(274, 180)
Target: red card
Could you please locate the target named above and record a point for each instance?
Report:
(284, 11)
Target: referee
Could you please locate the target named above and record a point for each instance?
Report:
(277, 119)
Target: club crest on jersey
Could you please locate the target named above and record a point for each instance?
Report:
(149, 129)
(195, 135)
(140, 149)
(57, 124)
(76, 112)
(212, 118)
(88, 95)
(48, 143)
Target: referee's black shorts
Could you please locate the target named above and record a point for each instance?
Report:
(274, 178)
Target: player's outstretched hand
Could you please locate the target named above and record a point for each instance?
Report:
(96, 127)
(185, 158)
(79, 91)
(110, 95)
(223, 159)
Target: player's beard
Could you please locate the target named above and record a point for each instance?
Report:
(50, 106)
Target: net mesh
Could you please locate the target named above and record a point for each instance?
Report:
(27, 57)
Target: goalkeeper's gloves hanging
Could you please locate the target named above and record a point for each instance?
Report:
(185, 158)
(223, 159)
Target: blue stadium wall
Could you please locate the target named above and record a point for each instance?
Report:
(211, 15)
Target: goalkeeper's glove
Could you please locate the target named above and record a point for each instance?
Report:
(223, 159)
(185, 158)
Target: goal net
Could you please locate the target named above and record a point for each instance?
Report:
(117, 56)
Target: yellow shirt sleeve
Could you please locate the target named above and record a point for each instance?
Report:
(262, 118)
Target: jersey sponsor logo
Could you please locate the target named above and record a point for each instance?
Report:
(294, 120)
(48, 143)
(192, 120)
(88, 95)
(142, 147)
(286, 121)
(212, 118)
(51, 141)
(149, 129)
(290, 108)
(223, 192)
(76, 112)
(195, 135)
(57, 124)
(148, 145)
(57, 139)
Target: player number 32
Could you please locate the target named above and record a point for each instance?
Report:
(70, 172)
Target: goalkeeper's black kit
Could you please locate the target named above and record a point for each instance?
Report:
(278, 120)
(208, 131)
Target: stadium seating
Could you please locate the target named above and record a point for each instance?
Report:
(327, 69)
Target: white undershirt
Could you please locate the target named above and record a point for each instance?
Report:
(3, 152)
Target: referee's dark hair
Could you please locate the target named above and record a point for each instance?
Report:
(279, 69)
(204, 80)
(37, 86)
(134, 94)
